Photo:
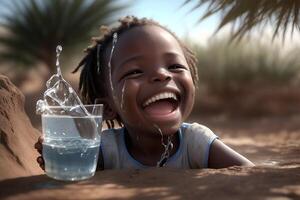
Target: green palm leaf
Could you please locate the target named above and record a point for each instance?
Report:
(34, 28)
(248, 14)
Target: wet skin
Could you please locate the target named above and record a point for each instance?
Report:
(147, 61)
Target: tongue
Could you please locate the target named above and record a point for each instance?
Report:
(159, 108)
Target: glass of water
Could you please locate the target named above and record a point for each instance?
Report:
(71, 142)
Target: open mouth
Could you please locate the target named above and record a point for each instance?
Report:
(161, 104)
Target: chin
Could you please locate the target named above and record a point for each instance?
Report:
(169, 129)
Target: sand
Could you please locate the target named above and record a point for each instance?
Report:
(17, 136)
(232, 183)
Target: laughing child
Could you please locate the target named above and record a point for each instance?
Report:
(146, 79)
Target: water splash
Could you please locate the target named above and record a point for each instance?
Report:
(60, 93)
(167, 148)
(114, 42)
(58, 51)
(122, 97)
(61, 99)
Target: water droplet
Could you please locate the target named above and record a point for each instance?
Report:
(167, 148)
(58, 49)
(114, 42)
(122, 97)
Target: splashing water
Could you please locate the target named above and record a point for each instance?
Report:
(58, 51)
(122, 97)
(61, 99)
(167, 148)
(59, 93)
(114, 42)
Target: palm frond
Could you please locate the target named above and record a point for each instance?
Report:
(248, 14)
(36, 27)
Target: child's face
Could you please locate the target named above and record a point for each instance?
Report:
(151, 80)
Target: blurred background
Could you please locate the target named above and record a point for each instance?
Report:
(248, 51)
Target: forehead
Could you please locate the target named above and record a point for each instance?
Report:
(146, 39)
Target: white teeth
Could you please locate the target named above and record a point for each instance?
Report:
(164, 95)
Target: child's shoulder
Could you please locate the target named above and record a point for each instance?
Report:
(196, 135)
(197, 139)
(197, 129)
(200, 138)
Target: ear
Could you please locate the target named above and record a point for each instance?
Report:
(108, 112)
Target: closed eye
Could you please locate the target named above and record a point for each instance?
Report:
(132, 73)
(177, 67)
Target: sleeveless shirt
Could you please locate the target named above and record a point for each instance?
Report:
(193, 151)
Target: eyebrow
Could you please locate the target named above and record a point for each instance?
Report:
(131, 58)
(172, 53)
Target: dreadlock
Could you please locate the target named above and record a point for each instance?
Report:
(89, 86)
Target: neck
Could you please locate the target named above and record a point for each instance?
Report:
(148, 148)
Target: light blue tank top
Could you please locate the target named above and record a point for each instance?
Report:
(193, 152)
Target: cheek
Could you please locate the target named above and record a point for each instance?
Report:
(122, 95)
(188, 83)
(192, 90)
(189, 90)
(122, 91)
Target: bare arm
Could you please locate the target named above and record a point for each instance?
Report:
(220, 156)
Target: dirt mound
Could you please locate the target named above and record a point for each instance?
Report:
(17, 136)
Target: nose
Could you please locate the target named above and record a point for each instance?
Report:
(160, 75)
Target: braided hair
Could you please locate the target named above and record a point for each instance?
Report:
(89, 86)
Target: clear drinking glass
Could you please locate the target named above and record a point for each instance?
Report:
(71, 143)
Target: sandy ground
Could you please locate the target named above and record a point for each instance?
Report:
(232, 183)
